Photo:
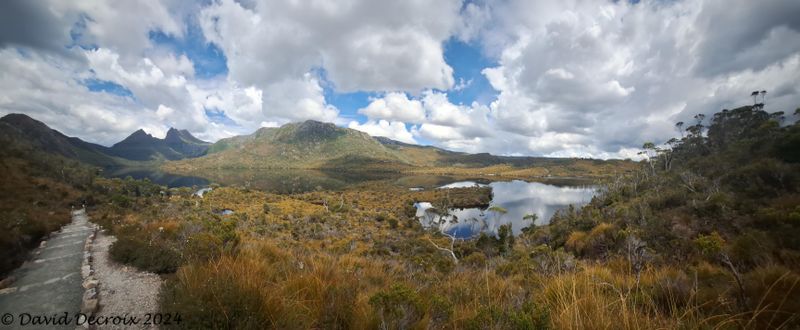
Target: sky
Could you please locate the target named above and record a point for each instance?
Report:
(568, 78)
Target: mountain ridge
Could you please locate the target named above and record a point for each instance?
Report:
(176, 145)
(138, 149)
(301, 145)
(317, 145)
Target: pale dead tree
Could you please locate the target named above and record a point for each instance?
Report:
(650, 151)
(736, 275)
(690, 180)
(450, 250)
(713, 188)
(441, 223)
(668, 155)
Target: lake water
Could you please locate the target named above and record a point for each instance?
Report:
(281, 181)
(518, 198)
(156, 176)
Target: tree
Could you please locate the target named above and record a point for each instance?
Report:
(679, 127)
(754, 94)
(650, 150)
(763, 97)
(441, 226)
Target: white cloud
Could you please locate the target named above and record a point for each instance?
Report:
(573, 78)
(363, 44)
(394, 130)
(395, 106)
(599, 78)
(297, 100)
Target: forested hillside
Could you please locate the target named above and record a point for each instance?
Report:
(717, 208)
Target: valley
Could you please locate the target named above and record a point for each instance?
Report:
(315, 226)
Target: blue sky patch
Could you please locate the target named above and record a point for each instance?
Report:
(219, 117)
(471, 85)
(209, 60)
(467, 61)
(105, 86)
(347, 103)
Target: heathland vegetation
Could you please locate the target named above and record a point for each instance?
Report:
(704, 233)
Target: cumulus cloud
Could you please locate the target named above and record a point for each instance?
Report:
(364, 45)
(32, 24)
(394, 130)
(590, 78)
(597, 78)
(395, 106)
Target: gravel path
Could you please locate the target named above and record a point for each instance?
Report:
(123, 290)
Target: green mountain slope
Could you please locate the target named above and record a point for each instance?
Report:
(316, 145)
(310, 144)
(19, 129)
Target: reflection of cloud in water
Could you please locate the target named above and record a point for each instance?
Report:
(462, 184)
(519, 198)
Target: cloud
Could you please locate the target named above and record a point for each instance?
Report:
(32, 24)
(572, 78)
(394, 130)
(395, 106)
(598, 78)
(297, 100)
(44, 87)
(363, 45)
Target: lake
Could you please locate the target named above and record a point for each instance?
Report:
(517, 198)
(156, 176)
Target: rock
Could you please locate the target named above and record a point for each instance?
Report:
(8, 290)
(6, 282)
(43, 244)
(89, 306)
(90, 283)
(86, 271)
(90, 294)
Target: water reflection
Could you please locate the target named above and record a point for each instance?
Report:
(156, 176)
(517, 198)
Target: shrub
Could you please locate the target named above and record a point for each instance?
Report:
(530, 316)
(710, 245)
(773, 291)
(440, 310)
(505, 239)
(154, 256)
(751, 248)
(476, 259)
(576, 242)
(398, 308)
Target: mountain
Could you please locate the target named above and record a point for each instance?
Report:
(178, 144)
(310, 144)
(19, 129)
(316, 145)
(185, 143)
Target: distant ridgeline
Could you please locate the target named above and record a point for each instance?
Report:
(316, 145)
(178, 144)
(307, 145)
(136, 149)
